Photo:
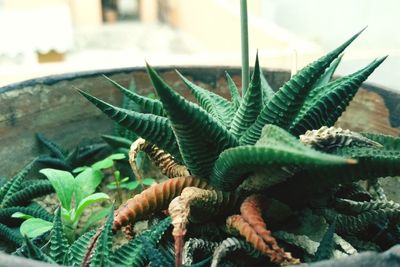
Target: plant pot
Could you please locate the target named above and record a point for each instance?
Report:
(52, 106)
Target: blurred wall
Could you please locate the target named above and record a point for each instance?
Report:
(326, 22)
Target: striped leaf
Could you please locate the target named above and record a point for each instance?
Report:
(155, 129)
(287, 101)
(328, 74)
(103, 251)
(13, 237)
(218, 107)
(35, 253)
(250, 106)
(149, 105)
(267, 91)
(36, 189)
(58, 240)
(132, 254)
(201, 138)
(329, 102)
(388, 142)
(8, 190)
(235, 95)
(276, 148)
(77, 250)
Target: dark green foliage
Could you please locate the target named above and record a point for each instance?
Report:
(60, 158)
(279, 149)
(326, 77)
(37, 188)
(195, 247)
(267, 91)
(54, 149)
(325, 104)
(210, 231)
(148, 105)
(353, 191)
(327, 244)
(9, 189)
(34, 210)
(287, 101)
(58, 240)
(301, 241)
(388, 142)
(118, 144)
(103, 248)
(372, 163)
(155, 257)
(132, 254)
(3, 181)
(355, 207)
(218, 107)
(10, 235)
(201, 137)
(153, 128)
(131, 105)
(230, 245)
(250, 144)
(117, 141)
(235, 95)
(250, 106)
(36, 253)
(351, 224)
(77, 250)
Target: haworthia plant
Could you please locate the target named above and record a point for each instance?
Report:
(250, 144)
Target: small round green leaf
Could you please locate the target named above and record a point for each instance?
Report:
(34, 227)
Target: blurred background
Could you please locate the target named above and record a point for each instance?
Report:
(42, 37)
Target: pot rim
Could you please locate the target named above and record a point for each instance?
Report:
(54, 78)
(390, 96)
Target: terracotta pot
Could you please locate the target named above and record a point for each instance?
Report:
(52, 106)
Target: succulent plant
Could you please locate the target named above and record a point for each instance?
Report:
(60, 158)
(277, 144)
(16, 196)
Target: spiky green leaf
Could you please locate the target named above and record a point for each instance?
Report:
(388, 142)
(36, 253)
(326, 77)
(235, 95)
(287, 101)
(14, 185)
(103, 251)
(14, 237)
(372, 163)
(155, 257)
(58, 240)
(327, 103)
(155, 129)
(36, 189)
(117, 141)
(267, 91)
(34, 211)
(218, 107)
(77, 250)
(201, 137)
(55, 150)
(132, 254)
(232, 244)
(276, 148)
(250, 106)
(149, 105)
